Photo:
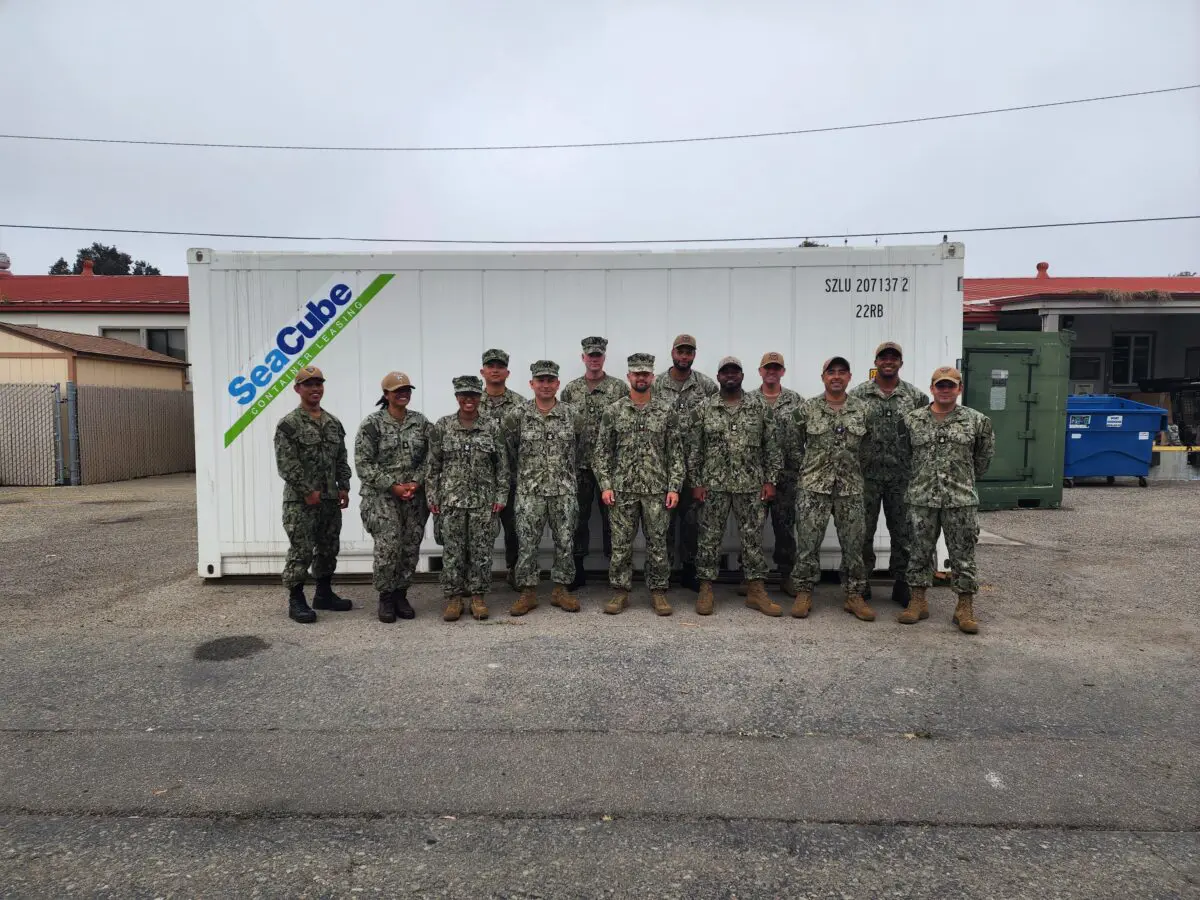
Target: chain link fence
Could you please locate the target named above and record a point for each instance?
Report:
(29, 442)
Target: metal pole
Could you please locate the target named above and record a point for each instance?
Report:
(73, 424)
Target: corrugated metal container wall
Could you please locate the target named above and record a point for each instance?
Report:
(432, 315)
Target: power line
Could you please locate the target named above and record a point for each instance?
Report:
(693, 240)
(210, 145)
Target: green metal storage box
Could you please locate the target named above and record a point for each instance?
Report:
(1018, 379)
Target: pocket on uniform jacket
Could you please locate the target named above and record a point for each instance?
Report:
(857, 428)
(311, 438)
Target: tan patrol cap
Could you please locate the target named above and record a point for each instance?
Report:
(393, 380)
(946, 373)
(889, 345)
(772, 359)
(309, 373)
(829, 362)
(683, 340)
(728, 361)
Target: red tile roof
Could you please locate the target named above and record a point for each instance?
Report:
(983, 298)
(94, 293)
(91, 345)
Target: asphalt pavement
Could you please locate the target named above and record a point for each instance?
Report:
(163, 736)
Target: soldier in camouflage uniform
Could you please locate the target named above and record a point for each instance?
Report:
(952, 447)
(734, 458)
(783, 508)
(391, 456)
(310, 454)
(825, 438)
(685, 389)
(886, 461)
(590, 395)
(542, 438)
(639, 463)
(467, 488)
(498, 401)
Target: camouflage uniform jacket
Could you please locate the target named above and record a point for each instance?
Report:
(590, 404)
(311, 455)
(688, 395)
(948, 456)
(787, 401)
(468, 465)
(388, 452)
(734, 448)
(496, 408)
(543, 449)
(640, 449)
(826, 446)
(886, 455)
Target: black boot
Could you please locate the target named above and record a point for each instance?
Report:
(688, 579)
(866, 594)
(298, 608)
(387, 607)
(325, 598)
(403, 609)
(580, 576)
(900, 592)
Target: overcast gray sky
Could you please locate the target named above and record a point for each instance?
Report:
(405, 73)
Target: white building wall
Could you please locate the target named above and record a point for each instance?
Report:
(91, 323)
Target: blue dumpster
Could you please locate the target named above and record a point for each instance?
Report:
(1110, 436)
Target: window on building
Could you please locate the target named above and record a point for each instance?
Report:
(1132, 358)
(1086, 368)
(171, 341)
(128, 335)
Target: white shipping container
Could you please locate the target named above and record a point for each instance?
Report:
(257, 317)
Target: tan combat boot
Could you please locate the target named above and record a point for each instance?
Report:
(917, 609)
(658, 599)
(479, 609)
(858, 606)
(803, 605)
(526, 602)
(563, 599)
(617, 603)
(453, 609)
(756, 598)
(964, 615)
(704, 599)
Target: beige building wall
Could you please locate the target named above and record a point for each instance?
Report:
(47, 367)
(109, 373)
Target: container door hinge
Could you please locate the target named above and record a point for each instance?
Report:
(1027, 398)
(1026, 470)
(1027, 435)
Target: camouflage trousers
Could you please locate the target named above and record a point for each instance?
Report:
(314, 538)
(397, 527)
(533, 515)
(683, 532)
(651, 511)
(750, 513)
(888, 496)
(468, 539)
(783, 524)
(587, 492)
(812, 517)
(959, 525)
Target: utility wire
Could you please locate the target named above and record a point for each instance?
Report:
(210, 145)
(693, 240)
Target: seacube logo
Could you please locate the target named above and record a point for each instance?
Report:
(297, 345)
(290, 341)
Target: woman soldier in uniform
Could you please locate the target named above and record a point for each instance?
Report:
(390, 456)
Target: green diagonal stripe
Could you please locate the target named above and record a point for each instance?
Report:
(319, 343)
